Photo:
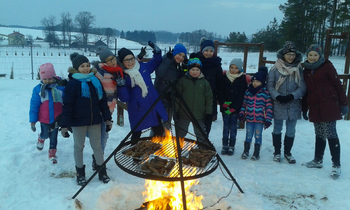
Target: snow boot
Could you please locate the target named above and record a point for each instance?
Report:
(315, 163)
(336, 170)
(231, 151)
(245, 153)
(334, 147)
(256, 154)
(102, 175)
(81, 175)
(94, 164)
(40, 143)
(288, 144)
(276, 140)
(52, 155)
(224, 150)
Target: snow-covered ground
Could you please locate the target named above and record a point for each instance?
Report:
(28, 180)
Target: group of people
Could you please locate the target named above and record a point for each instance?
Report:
(84, 103)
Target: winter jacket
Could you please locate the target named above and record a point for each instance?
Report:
(44, 109)
(291, 110)
(197, 95)
(82, 111)
(257, 108)
(232, 92)
(325, 94)
(168, 70)
(137, 105)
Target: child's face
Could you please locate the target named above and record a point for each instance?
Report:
(208, 53)
(111, 61)
(256, 83)
(195, 72)
(289, 57)
(129, 61)
(234, 69)
(179, 58)
(48, 80)
(313, 56)
(84, 68)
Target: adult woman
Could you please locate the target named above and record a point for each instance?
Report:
(286, 86)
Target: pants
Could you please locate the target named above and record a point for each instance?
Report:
(44, 134)
(79, 134)
(183, 128)
(104, 136)
(254, 129)
(229, 131)
(157, 130)
(290, 127)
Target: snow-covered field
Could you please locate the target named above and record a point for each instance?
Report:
(28, 180)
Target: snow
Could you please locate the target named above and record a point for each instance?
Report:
(28, 180)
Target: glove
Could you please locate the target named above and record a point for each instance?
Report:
(32, 126)
(60, 82)
(305, 116)
(120, 81)
(288, 98)
(109, 124)
(226, 104)
(142, 53)
(241, 118)
(64, 132)
(208, 118)
(267, 125)
(156, 49)
(344, 110)
(230, 111)
(280, 99)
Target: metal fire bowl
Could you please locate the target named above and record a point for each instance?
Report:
(132, 166)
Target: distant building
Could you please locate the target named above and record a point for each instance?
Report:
(16, 38)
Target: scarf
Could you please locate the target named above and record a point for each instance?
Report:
(137, 79)
(315, 65)
(232, 77)
(254, 90)
(84, 78)
(113, 70)
(54, 91)
(285, 70)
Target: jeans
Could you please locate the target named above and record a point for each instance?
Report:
(44, 134)
(254, 129)
(229, 129)
(290, 127)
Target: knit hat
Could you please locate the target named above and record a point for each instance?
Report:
(103, 52)
(47, 71)
(179, 48)
(77, 60)
(194, 62)
(238, 62)
(207, 44)
(314, 47)
(122, 53)
(260, 75)
(288, 47)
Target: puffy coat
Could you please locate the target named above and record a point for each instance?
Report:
(82, 111)
(44, 109)
(325, 93)
(137, 105)
(197, 95)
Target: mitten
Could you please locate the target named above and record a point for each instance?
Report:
(230, 111)
(208, 118)
(305, 116)
(109, 124)
(226, 104)
(241, 118)
(267, 125)
(119, 80)
(142, 53)
(32, 126)
(288, 98)
(156, 49)
(64, 132)
(60, 82)
(344, 110)
(280, 99)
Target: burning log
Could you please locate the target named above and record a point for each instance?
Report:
(158, 204)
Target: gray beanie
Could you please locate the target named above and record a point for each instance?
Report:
(238, 62)
(103, 52)
(314, 47)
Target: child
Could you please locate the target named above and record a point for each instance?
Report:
(326, 102)
(196, 92)
(230, 96)
(257, 111)
(45, 106)
(84, 109)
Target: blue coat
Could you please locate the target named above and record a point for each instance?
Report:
(137, 105)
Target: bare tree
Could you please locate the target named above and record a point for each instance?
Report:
(50, 34)
(109, 33)
(66, 24)
(85, 20)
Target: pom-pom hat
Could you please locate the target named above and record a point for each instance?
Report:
(77, 60)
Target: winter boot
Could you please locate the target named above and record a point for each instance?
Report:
(102, 175)
(256, 154)
(288, 144)
(231, 151)
(334, 147)
(52, 155)
(94, 164)
(245, 153)
(40, 143)
(336, 170)
(317, 162)
(276, 140)
(81, 175)
(224, 150)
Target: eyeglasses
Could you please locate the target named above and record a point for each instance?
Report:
(114, 59)
(129, 60)
(290, 54)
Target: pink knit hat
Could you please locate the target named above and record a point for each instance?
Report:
(47, 71)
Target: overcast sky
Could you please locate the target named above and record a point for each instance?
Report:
(219, 16)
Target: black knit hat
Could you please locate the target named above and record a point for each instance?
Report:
(288, 47)
(122, 53)
(261, 74)
(77, 60)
